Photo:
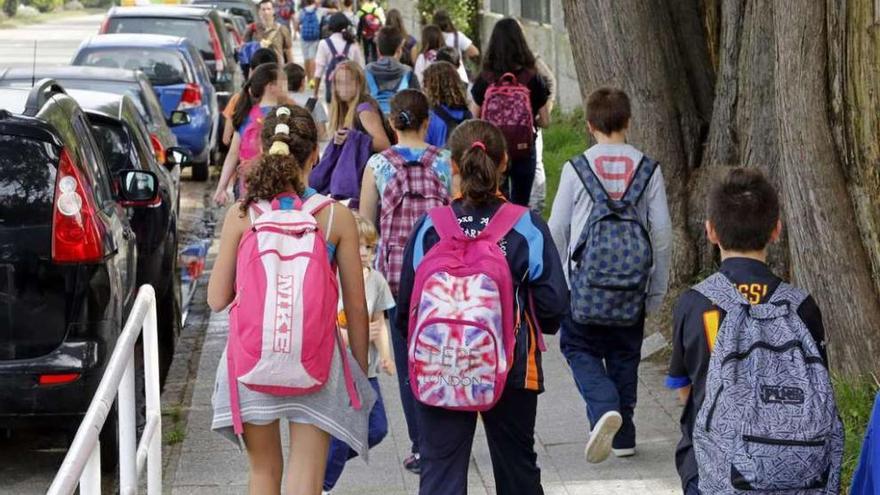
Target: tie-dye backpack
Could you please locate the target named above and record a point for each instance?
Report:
(462, 321)
(281, 336)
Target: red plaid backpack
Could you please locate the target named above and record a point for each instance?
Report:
(412, 192)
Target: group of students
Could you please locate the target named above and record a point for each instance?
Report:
(434, 270)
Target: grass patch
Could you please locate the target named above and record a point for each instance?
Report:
(14, 22)
(565, 138)
(175, 435)
(855, 401)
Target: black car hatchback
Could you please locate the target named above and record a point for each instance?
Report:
(67, 259)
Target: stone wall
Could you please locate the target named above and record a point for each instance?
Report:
(549, 40)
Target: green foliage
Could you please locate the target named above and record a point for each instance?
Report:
(565, 138)
(855, 400)
(45, 5)
(100, 4)
(176, 435)
(10, 7)
(464, 14)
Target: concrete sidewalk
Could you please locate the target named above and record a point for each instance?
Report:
(211, 464)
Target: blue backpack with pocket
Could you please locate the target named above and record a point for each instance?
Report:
(611, 263)
(769, 422)
(383, 97)
(310, 25)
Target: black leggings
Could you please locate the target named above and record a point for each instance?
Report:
(517, 183)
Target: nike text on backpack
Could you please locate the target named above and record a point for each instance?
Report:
(413, 191)
(769, 422)
(310, 25)
(462, 315)
(611, 263)
(508, 105)
(281, 336)
(370, 24)
(336, 58)
(383, 97)
(450, 121)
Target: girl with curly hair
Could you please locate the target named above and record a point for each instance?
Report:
(289, 139)
(449, 106)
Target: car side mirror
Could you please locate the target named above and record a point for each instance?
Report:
(138, 187)
(178, 117)
(177, 156)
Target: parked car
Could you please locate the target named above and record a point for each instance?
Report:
(67, 260)
(179, 78)
(203, 27)
(133, 83)
(243, 8)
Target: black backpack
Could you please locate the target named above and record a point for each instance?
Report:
(450, 121)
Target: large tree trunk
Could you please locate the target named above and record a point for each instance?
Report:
(769, 107)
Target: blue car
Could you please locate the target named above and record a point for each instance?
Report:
(178, 75)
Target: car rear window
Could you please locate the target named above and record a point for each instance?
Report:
(27, 180)
(162, 67)
(196, 30)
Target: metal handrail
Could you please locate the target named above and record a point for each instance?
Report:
(82, 464)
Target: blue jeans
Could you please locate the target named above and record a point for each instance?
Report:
(401, 360)
(604, 362)
(340, 452)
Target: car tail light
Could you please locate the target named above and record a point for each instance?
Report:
(58, 379)
(158, 149)
(76, 231)
(218, 48)
(191, 97)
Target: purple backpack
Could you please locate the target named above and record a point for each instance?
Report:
(508, 105)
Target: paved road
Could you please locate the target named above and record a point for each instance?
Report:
(56, 41)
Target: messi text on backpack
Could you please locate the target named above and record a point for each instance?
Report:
(507, 104)
(281, 336)
(461, 339)
(611, 264)
(413, 191)
(769, 422)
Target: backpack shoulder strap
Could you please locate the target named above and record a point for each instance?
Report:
(316, 203)
(446, 223)
(789, 294)
(347, 48)
(404, 82)
(591, 183)
(333, 52)
(640, 180)
(721, 292)
(502, 222)
(394, 157)
(371, 82)
(428, 157)
(311, 103)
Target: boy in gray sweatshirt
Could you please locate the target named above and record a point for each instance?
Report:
(610, 223)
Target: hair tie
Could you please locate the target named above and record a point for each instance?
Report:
(282, 111)
(479, 144)
(282, 129)
(405, 118)
(279, 148)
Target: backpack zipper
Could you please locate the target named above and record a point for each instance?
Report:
(779, 441)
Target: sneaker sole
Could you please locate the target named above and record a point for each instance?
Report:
(624, 452)
(599, 446)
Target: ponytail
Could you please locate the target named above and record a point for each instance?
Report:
(479, 149)
(253, 90)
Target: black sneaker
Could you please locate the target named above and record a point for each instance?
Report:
(412, 464)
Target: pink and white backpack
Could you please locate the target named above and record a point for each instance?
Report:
(251, 147)
(507, 104)
(281, 335)
(462, 315)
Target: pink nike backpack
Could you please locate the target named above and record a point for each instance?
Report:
(462, 315)
(251, 145)
(507, 104)
(281, 335)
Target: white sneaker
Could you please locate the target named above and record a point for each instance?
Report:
(624, 452)
(599, 445)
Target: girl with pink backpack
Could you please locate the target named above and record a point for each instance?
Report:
(483, 282)
(285, 359)
(265, 88)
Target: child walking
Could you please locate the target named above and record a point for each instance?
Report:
(781, 428)
(618, 268)
(456, 308)
(352, 107)
(379, 300)
(332, 396)
(410, 166)
(448, 102)
(265, 88)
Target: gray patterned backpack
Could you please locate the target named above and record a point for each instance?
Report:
(611, 262)
(769, 422)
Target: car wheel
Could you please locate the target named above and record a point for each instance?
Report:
(200, 171)
(169, 317)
